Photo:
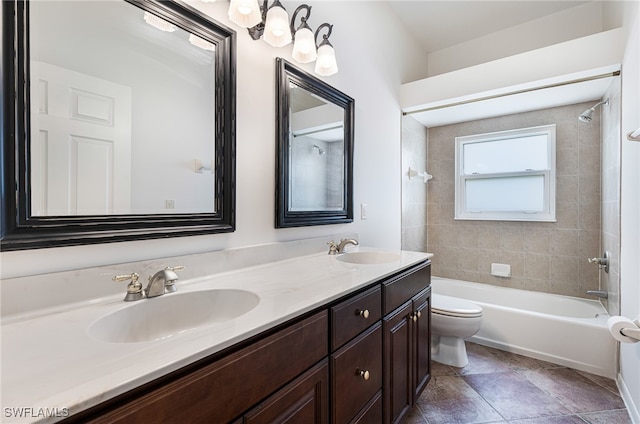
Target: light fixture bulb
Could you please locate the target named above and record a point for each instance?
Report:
(158, 23)
(245, 13)
(326, 64)
(304, 46)
(276, 29)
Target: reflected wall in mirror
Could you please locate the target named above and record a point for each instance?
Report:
(315, 150)
(104, 138)
(125, 129)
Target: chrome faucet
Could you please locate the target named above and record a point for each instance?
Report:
(335, 249)
(344, 242)
(163, 282)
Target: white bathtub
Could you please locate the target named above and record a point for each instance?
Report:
(564, 330)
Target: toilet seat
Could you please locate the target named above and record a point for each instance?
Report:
(454, 307)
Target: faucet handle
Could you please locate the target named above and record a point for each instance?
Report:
(333, 247)
(134, 289)
(175, 268)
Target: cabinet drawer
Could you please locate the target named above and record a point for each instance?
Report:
(404, 286)
(222, 390)
(351, 317)
(357, 374)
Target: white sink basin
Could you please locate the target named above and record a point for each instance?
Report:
(170, 314)
(368, 257)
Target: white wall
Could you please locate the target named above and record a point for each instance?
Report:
(568, 24)
(372, 64)
(630, 208)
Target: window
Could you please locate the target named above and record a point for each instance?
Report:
(507, 175)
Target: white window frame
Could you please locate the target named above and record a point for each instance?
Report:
(548, 214)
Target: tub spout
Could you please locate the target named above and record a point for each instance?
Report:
(598, 293)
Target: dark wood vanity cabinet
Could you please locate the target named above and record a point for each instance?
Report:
(225, 389)
(406, 342)
(356, 359)
(363, 359)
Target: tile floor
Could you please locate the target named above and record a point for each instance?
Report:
(502, 387)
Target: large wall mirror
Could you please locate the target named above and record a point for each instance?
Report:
(315, 150)
(119, 122)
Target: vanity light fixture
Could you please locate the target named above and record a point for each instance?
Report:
(276, 26)
(272, 24)
(158, 23)
(269, 22)
(326, 63)
(304, 44)
(245, 13)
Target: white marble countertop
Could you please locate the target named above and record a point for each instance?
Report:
(51, 365)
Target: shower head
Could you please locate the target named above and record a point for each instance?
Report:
(586, 116)
(320, 150)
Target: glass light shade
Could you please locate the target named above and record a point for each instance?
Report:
(158, 23)
(245, 13)
(326, 64)
(203, 44)
(304, 47)
(276, 29)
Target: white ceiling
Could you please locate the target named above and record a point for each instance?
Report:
(438, 24)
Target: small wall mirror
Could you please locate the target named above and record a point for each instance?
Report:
(125, 127)
(315, 150)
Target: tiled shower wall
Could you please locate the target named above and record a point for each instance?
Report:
(546, 257)
(611, 195)
(414, 191)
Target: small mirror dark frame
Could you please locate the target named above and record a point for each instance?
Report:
(287, 73)
(19, 230)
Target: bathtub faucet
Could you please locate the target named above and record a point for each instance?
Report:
(598, 293)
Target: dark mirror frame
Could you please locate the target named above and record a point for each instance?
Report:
(19, 230)
(286, 73)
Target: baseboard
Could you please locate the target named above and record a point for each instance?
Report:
(632, 408)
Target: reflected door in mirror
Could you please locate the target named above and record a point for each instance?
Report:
(81, 143)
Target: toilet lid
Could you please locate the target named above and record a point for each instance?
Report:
(453, 306)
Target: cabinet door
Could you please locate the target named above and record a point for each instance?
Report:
(422, 341)
(398, 344)
(356, 371)
(372, 412)
(303, 401)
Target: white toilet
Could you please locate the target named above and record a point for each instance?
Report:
(452, 320)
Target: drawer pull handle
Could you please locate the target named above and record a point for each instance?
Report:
(363, 313)
(364, 374)
(416, 315)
